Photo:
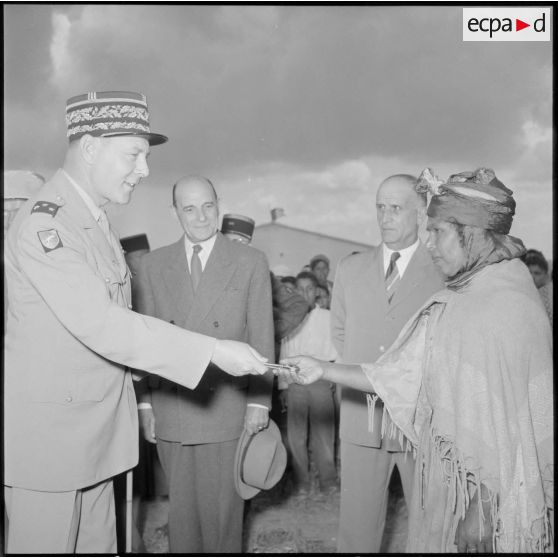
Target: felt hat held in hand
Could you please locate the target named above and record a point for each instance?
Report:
(260, 461)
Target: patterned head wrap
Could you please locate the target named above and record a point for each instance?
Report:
(475, 198)
(485, 206)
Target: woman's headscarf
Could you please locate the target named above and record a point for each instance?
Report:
(480, 202)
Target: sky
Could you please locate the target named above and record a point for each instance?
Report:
(307, 108)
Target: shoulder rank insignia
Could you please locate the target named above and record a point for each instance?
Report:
(45, 207)
(50, 240)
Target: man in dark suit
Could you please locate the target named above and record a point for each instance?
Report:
(206, 283)
(374, 294)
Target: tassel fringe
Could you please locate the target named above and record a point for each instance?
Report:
(463, 483)
(371, 401)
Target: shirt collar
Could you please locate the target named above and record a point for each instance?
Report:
(207, 245)
(87, 199)
(405, 255)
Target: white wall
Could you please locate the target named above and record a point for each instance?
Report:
(293, 248)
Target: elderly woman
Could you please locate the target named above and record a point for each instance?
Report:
(469, 383)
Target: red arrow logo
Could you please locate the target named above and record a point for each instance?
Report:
(519, 25)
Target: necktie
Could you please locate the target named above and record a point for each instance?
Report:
(392, 276)
(195, 266)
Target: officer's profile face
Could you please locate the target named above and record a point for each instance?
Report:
(197, 209)
(117, 164)
(237, 237)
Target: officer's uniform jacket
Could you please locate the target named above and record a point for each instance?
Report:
(69, 405)
(232, 301)
(364, 325)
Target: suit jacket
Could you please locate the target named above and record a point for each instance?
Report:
(233, 301)
(69, 408)
(364, 324)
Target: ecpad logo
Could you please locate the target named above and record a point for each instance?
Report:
(506, 24)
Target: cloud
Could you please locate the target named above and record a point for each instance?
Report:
(61, 60)
(305, 84)
(338, 200)
(298, 106)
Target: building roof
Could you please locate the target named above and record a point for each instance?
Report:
(314, 233)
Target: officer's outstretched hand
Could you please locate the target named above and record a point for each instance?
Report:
(306, 370)
(237, 358)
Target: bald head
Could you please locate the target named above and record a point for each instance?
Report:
(196, 206)
(406, 181)
(191, 180)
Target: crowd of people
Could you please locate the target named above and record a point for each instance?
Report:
(441, 351)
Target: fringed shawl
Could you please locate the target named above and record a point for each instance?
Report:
(469, 382)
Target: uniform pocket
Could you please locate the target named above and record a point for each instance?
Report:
(82, 386)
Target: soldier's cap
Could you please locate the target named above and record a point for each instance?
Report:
(134, 243)
(239, 224)
(110, 114)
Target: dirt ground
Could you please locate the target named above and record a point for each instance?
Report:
(279, 521)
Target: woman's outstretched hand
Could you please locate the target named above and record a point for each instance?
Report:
(308, 370)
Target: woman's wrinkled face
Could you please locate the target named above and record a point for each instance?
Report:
(445, 247)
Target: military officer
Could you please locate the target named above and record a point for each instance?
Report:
(70, 410)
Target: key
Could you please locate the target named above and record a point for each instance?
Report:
(286, 367)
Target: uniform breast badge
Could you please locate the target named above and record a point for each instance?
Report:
(45, 207)
(50, 240)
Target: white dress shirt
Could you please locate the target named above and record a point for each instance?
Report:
(405, 256)
(204, 253)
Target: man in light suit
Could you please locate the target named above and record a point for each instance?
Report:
(210, 284)
(70, 415)
(374, 294)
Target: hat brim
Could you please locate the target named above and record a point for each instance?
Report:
(152, 138)
(246, 491)
(239, 233)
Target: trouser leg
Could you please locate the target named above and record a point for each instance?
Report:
(220, 506)
(40, 522)
(81, 521)
(205, 512)
(365, 474)
(406, 467)
(297, 433)
(178, 462)
(97, 527)
(322, 432)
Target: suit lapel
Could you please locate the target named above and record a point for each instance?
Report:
(177, 279)
(413, 275)
(217, 273)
